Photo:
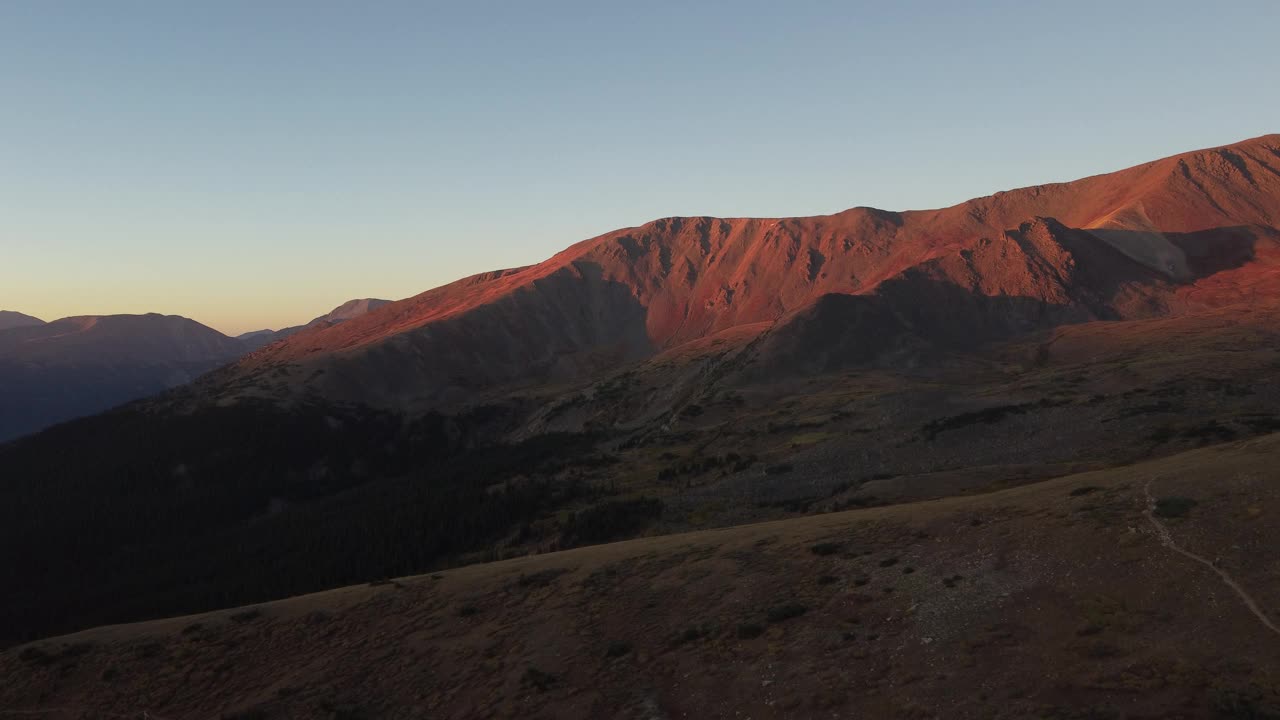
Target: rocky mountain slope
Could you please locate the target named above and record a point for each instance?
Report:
(1169, 237)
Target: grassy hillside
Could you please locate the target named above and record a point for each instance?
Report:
(1062, 599)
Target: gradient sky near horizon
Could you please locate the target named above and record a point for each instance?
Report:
(253, 164)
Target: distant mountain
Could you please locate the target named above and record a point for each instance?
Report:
(10, 319)
(77, 366)
(346, 311)
(255, 335)
(51, 372)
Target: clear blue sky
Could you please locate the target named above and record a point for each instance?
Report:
(251, 164)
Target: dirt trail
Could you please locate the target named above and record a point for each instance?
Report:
(1167, 540)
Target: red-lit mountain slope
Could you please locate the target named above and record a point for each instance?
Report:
(1170, 237)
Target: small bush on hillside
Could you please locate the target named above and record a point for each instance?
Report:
(617, 649)
(781, 613)
(610, 520)
(1174, 506)
(539, 680)
(1209, 432)
(689, 635)
(255, 713)
(747, 631)
(542, 578)
(1247, 704)
(826, 548)
(35, 655)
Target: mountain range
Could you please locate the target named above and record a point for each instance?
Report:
(1167, 238)
(76, 366)
(1021, 420)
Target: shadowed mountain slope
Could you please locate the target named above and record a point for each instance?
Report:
(10, 319)
(82, 365)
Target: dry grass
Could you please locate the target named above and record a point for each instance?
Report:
(1021, 603)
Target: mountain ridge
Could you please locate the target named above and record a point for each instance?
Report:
(85, 364)
(12, 319)
(352, 308)
(1178, 221)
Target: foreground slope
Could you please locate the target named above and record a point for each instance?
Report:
(1065, 599)
(1177, 235)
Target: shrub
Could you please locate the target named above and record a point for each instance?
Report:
(35, 656)
(538, 679)
(1084, 490)
(76, 649)
(617, 648)
(826, 548)
(254, 713)
(781, 613)
(1174, 506)
(542, 578)
(988, 416)
(610, 520)
(747, 631)
(689, 635)
(1247, 704)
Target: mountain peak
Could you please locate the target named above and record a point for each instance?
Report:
(12, 319)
